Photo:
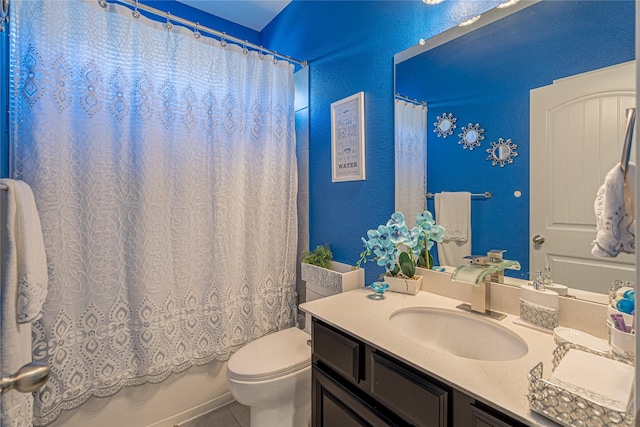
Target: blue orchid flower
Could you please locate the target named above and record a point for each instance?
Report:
(424, 218)
(413, 237)
(398, 233)
(384, 236)
(396, 218)
(386, 241)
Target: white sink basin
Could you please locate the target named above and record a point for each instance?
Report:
(459, 333)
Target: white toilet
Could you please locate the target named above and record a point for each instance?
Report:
(272, 375)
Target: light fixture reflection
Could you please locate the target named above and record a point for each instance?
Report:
(431, 2)
(507, 4)
(470, 21)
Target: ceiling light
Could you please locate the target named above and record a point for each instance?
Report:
(507, 4)
(432, 1)
(470, 21)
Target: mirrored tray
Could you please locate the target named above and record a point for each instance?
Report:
(568, 408)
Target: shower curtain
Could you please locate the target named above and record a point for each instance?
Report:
(410, 158)
(163, 167)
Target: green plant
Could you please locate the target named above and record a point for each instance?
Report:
(321, 256)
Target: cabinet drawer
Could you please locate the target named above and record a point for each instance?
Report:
(483, 418)
(414, 398)
(338, 351)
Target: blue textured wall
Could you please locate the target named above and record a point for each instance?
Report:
(485, 77)
(350, 46)
(203, 18)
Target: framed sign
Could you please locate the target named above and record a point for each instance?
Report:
(347, 139)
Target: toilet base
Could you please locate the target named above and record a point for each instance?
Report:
(280, 417)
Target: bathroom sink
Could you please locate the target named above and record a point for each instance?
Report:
(458, 333)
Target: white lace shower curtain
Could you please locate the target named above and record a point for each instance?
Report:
(410, 158)
(163, 167)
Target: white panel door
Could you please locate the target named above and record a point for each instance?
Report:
(577, 134)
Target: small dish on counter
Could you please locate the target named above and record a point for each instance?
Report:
(562, 335)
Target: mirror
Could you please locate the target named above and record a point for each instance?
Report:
(502, 152)
(445, 125)
(471, 136)
(483, 74)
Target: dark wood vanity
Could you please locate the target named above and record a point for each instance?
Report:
(356, 384)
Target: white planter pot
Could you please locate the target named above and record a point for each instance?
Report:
(324, 282)
(402, 285)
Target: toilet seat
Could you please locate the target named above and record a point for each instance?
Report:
(271, 356)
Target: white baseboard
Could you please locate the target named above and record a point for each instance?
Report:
(194, 412)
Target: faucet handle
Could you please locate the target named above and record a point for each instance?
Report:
(496, 254)
(477, 259)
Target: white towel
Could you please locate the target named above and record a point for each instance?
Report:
(24, 239)
(453, 212)
(615, 219)
(23, 286)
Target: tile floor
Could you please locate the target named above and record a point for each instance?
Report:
(231, 415)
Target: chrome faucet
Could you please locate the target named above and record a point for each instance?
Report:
(479, 273)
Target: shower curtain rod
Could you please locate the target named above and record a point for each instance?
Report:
(197, 28)
(410, 100)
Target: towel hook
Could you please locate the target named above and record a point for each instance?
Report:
(626, 150)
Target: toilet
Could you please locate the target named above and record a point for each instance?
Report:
(272, 375)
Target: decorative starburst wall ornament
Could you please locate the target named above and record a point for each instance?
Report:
(502, 152)
(445, 125)
(471, 136)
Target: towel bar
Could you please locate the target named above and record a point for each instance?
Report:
(486, 195)
(626, 150)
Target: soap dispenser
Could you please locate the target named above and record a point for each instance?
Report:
(539, 283)
(547, 280)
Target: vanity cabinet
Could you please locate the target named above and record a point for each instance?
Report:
(356, 384)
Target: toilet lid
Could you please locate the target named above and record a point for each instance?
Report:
(271, 356)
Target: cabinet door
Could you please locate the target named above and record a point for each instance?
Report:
(335, 406)
(339, 351)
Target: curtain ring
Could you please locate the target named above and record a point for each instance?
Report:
(223, 42)
(169, 25)
(260, 53)
(196, 33)
(103, 3)
(275, 57)
(244, 47)
(135, 12)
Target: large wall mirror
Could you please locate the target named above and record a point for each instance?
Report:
(484, 75)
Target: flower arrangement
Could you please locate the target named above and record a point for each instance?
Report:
(399, 249)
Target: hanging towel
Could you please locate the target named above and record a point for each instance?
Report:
(453, 212)
(615, 218)
(24, 237)
(24, 289)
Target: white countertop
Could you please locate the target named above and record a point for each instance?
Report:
(502, 385)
